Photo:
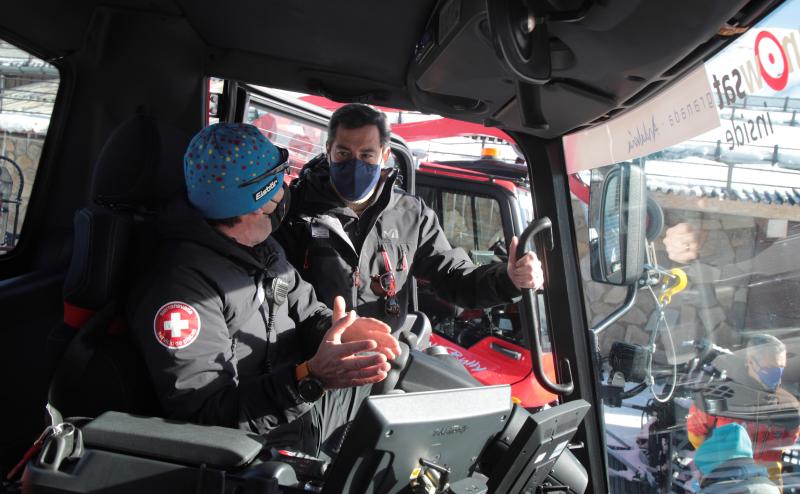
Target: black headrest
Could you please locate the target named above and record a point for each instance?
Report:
(141, 165)
(140, 168)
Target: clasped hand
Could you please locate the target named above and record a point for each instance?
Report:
(338, 363)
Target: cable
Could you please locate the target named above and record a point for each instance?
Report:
(674, 354)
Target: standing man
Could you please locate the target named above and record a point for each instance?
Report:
(351, 231)
(231, 334)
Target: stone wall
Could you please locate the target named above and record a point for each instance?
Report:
(25, 150)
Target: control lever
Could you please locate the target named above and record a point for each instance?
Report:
(530, 314)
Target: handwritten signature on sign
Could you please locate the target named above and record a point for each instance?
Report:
(644, 134)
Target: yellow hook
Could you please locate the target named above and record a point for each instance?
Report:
(678, 283)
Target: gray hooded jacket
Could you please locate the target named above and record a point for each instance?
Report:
(340, 253)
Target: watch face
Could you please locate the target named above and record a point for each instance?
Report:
(310, 389)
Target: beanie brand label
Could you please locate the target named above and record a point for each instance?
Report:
(267, 188)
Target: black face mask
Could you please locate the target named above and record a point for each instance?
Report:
(276, 217)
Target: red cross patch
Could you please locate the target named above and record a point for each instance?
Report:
(176, 325)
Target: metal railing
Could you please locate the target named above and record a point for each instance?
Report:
(34, 97)
(16, 202)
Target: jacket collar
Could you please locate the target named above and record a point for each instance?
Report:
(181, 222)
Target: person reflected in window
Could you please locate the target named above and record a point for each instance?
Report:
(726, 464)
(766, 410)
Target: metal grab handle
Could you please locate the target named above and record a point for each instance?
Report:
(530, 313)
(505, 351)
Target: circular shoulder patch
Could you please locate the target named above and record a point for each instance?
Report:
(176, 325)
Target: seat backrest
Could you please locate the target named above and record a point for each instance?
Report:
(97, 366)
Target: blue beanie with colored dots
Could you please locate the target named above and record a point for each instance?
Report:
(231, 169)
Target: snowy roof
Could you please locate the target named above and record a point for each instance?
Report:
(764, 195)
(700, 177)
(14, 61)
(27, 108)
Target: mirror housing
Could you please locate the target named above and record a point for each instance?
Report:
(617, 223)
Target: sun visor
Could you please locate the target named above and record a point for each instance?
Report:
(684, 110)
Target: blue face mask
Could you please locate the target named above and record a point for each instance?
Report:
(770, 376)
(354, 179)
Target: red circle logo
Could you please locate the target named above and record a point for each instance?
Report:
(772, 62)
(176, 325)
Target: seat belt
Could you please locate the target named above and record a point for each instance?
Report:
(79, 352)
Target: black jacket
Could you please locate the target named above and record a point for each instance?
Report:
(225, 377)
(338, 252)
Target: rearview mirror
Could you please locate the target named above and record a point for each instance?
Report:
(617, 207)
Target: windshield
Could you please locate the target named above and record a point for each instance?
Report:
(703, 387)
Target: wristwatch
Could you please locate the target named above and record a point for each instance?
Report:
(309, 387)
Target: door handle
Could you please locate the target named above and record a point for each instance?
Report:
(506, 351)
(530, 313)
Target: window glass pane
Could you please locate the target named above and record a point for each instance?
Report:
(28, 88)
(703, 389)
(489, 223)
(303, 139)
(458, 220)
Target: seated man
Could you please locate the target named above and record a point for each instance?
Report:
(231, 334)
(771, 427)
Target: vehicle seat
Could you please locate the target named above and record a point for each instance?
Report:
(96, 367)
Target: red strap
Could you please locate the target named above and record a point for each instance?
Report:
(306, 263)
(386, 262)
(404, 262)
(28, 456)
(76, 317)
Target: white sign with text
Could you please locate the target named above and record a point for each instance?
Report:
(683, 111)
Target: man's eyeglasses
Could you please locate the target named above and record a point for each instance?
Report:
(283, 165)
(386, 285)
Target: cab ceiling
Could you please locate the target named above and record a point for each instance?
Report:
(616, 54)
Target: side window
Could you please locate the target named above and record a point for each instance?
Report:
(469, 221)
(28, 88)
(303, 139)
(458, 220)
(475, 224)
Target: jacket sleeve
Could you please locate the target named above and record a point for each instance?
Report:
(451, 272)
(312, 317)
(199, 381)
(698, 425)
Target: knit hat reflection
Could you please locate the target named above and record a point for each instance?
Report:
(726, 443)
(231, 169)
